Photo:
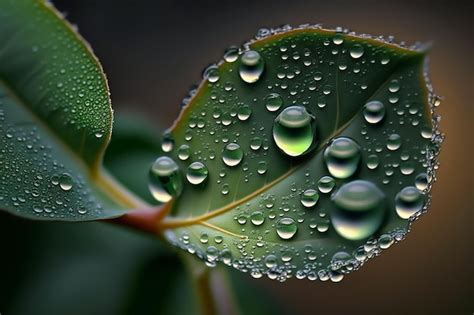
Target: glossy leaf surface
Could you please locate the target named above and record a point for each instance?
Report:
(286, 214)
(55, 117)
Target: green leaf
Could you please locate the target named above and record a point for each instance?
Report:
(55, 119)
(251, 215)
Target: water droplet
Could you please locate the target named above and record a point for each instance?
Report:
(421, 181)
(183, 152)
(271, 261)
(165, 180)
(273, 102)
(359, 211)
(356, 51)
(65, 182)
(262, 167)
(197, 173)
(309, 198)
(251, 66)
(394, 86)
(257, 218)
(211, 74)
(342, 157)
(286, 228)
(372, 161)
(231, 54)
(167, 142)
(232, 154)
(255, 143)
(326, 184)
(293, 130)
(99, 135)
(374, 112)
(244, 112)
(385, 241)
(394, 142)
(408, 202)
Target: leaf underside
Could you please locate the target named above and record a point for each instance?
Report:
(55, 117)
(311, 67)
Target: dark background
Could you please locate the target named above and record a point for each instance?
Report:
(152, 51)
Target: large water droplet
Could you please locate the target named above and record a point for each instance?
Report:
(286, 228)
(251, 66)
(197, 173)
(165, 180)
(273, 102)
(408, 202)
(232, 154)
(374, 111)
(342, 157)
(293, 130)
(359, 211)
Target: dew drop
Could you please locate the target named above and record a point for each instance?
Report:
(309, 198)
(232, 154)
(342, 157)
(231, 54)
(326, 184)
(356, 51)
(244, 112)
(372, 161)
(394, 142)
(359, 210)
(421, 181)
(293, 130)
(197, 173)
(211, 74)
(255, 143)
(273, 102)
(374, 112)
(183, 152)
(251, 66)
(286, 228)
(164, 179)
(257, 218)
(65, 182)
(408, 202)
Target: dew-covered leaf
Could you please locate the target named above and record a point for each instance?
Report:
(55, 118)
(303, 154)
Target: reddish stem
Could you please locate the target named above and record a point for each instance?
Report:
(146, 219)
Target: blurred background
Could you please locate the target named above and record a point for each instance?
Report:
(152, 52)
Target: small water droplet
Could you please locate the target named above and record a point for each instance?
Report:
(286, 228)
(309, 198)
(372, 161)
(231, 54)
(342, 157)
(197, 173)
(251, 66)
(326, 184)
(232, 154)
(394, 142)
(165, 180)
(356, 51)
(65, 182)
(257, 218)
(273, 102)
(211, 74)
(374, 112)
(408, 202)
(421, 181)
